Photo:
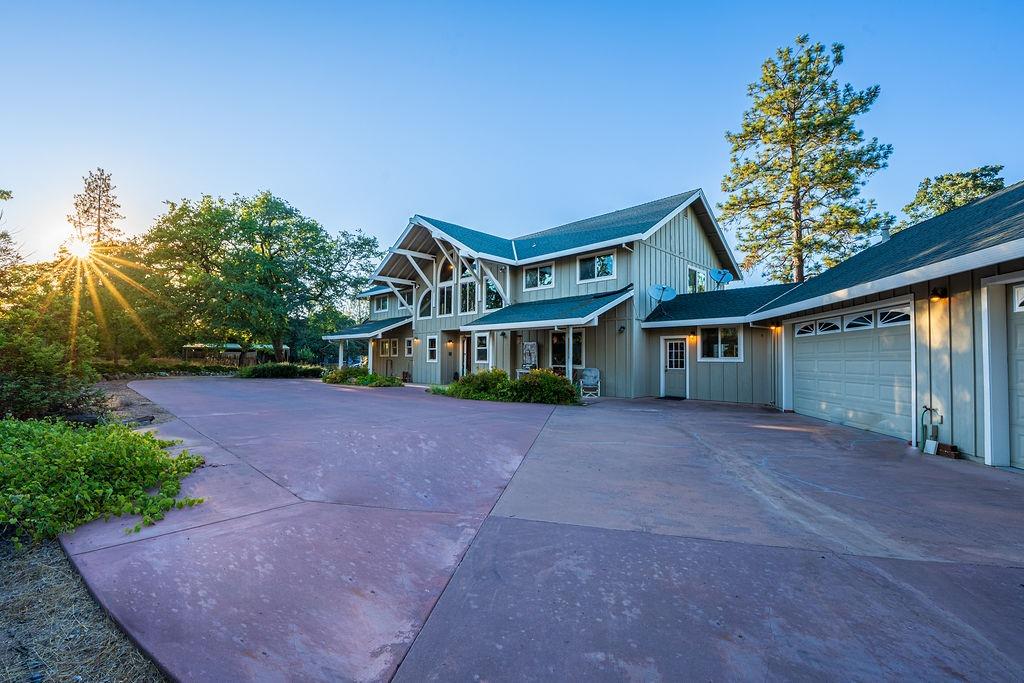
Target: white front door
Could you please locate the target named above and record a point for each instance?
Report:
(673, 354)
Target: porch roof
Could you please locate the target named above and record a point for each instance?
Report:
(723, 306)
(371, 328)
(570, 310)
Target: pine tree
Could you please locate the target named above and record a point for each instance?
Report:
(10, 257)
(96, 209)
(798, 163)
(951, 191)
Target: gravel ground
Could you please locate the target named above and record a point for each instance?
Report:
(50, 627)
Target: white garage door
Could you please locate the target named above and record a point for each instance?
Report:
(854, 369)
(1015, 348)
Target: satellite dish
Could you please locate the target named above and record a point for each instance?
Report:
(661, 293)
(722, 277)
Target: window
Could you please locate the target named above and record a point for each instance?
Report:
(408, 347)
(394, 347)
(482, 348)
(445, 294)
(829, 326)
(380, 304)
(432, 349)
(1018, 298)
(425, 302)
(720, 343)
(890, 317)
(467, 297)
(558, 349)
(675, 354)
(492, 299)
(805, 329)
(384, 348)
(446, 271)
(595, 268)
(859, 321)
(696, 280)
(539, 277)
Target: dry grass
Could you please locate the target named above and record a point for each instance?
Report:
(52, 630)
(50, 627)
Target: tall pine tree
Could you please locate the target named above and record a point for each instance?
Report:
(96, 209)
(798, 163)
(951, 191)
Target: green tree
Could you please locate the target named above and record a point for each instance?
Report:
(96, 208)
(798, 163)
(248, 269)
(950, 191)
(10, 257)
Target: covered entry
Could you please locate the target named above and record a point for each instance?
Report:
(854, 368)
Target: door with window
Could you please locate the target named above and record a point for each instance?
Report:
(465, 355)
(558, 351)
(674, 380)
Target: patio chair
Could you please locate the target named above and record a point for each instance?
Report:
(590, 383)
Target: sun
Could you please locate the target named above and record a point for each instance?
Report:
(80, 248)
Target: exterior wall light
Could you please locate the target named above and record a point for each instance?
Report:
(622, 328)
(939, 293)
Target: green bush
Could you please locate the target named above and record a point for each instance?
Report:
(40, 378)
(346, 375)
(537, 386)
(280, 370)
(55, 476)
(372, 380)
(113, 370)
(544, 386)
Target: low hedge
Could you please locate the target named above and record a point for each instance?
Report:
(537, 386)
(360, 376)
(55, 476)
(280, 370)
(111, 370)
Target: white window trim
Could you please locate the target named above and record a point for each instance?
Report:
(384, 348)
(437, 349)
(847, 319)
(538, 266)
(901, 309)
(476, 359)
(436, 305)
(739, 343)
(393, 342)
(387, 303)
(615, 267)
(1017, 292)
(813, 325)
(476, 296)
(487, 279)
(695, 269)
(836, 320)
(686, 362)
(409, 343)
(419, 305)
(583, 349)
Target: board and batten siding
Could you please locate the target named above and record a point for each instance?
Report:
(565, 278)
(663, 258)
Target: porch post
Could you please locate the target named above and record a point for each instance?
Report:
(369, 356)
(341, 353)
(568, 354)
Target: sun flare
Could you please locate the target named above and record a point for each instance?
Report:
(80, 248)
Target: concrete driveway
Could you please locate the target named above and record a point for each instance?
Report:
(349, 534)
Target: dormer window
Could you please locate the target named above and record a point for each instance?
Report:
(380, 304)
(595, 268)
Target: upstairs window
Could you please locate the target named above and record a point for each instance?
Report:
(595, 268)
(720, 343)
(539, 277)
(696, 280)
(445, 295)
(492, 299)
(425, 302)
(467, 297)
(445, 272)
(380, 304)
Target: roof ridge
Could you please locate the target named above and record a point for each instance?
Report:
(538, 233)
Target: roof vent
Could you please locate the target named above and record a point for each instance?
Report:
(884, 232)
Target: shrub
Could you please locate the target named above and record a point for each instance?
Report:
(346, 375)
(55, 476)
(491, 385)
(113, 370)
(38, 378)
(544, 386)
(280, 370)
(372, 380)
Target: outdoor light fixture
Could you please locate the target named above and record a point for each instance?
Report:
(504, 334)
(939, 293)
(622, 328)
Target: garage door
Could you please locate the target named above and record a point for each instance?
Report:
(1015, 349)
(854, 369)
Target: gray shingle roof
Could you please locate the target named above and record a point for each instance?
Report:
(369, 328)
(379, 289)
(566, 308)
(987, 222)
(475, 239)
(610, 226)
(722, 303)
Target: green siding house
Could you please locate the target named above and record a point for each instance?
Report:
(921, 334)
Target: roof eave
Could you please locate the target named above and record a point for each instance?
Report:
(553, 322)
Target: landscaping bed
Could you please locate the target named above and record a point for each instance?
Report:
(361, 377)
(536, 386)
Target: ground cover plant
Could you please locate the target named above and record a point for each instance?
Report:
(280, 370)
(537, 386)
(360, 376)
(55, 476)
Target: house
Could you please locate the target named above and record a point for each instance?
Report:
(921, 332)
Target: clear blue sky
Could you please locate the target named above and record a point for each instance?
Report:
(508, 118)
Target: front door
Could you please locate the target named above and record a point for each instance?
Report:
(674, 357)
